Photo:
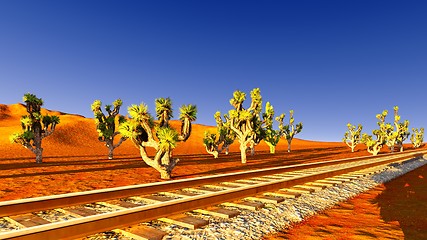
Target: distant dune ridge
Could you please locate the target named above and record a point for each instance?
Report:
(76, 135)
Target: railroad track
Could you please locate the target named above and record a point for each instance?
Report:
(76, 215)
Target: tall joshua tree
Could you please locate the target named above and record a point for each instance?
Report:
(352, 137)
(374, 145)
(144, 132)
(35, 127)
(226, 137)
(417, 137)
(271, 136)
(242, 120)
(289, 130)
(106, 125)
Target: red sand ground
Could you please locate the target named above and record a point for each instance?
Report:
(74, 160)
(394, 210)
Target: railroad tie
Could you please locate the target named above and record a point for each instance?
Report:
(251, 181)
(265, 178)
(321, 184)
(272, 177)
(283, 194)
(29, 220)
(329, 181)
(218, 187)
(152, 199)
(265, 199)
(236, 184)
(338, 179)
(298, 190)
(200, 190)
(136, 232)
(185, 221)
(244, 205)
(310, 187)
(218, 212)
(181, 194)
(348, 177)
(142, 233)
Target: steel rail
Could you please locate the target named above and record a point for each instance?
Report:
(103, 222)
(14, 207)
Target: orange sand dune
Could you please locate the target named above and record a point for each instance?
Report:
(76, 135)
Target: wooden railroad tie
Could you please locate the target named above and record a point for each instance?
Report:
(218, 212)
(244, 205)
(185, 221)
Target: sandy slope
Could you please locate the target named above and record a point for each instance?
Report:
(76, 135)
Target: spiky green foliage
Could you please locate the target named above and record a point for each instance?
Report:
(106, 125)
(144, 132)
(352, 137)
(271, 136)
(225, 137)
(401, 132)
(245, 122)
(289, 130)
(417, 137)
(164, 110)
(35, 126)
(375, 145)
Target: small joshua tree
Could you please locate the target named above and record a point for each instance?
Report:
(242, 120)
(35, 127)
(402, 130)
(271, 136)
(226, 137)
(106, 125)
(352, 136)
(417, 137)
(289, 130)
(374, 145)
(144, 132)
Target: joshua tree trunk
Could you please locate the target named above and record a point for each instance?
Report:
(227, 149)
(289, 144)
(243, 152)
(272, 147)
(38, 143)
(252, 148)
(353, 147)
(162, 162)
(110, 152)
(39, 155)
(375, 150)
(214, 152)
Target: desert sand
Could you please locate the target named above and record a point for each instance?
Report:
(74, 160)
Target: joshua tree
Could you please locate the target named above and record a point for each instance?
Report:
(144, 132)
(226, 137)
(271, 136)
(402, 130)
(289, 130)
(106, 125)
(417, 137)
(352, 136)
(242, 121)
(35, 127)
(374, 146)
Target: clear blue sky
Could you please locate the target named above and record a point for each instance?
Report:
(333, 62)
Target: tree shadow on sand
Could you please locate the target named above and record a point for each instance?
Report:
(405, 200)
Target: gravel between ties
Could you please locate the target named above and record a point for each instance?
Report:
(276, 217)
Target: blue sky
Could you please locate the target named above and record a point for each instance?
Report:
(333, 62)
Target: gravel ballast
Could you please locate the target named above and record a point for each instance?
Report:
(276, 217)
